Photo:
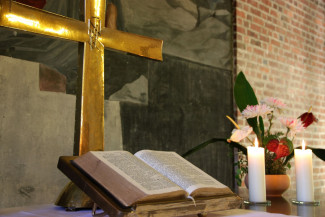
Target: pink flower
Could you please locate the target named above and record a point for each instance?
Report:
(274, 103)
(240, 134)
(252, 111)
(295, 125)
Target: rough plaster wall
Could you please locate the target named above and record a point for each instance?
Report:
(36, 127)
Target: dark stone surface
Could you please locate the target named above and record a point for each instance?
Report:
(121, 68)
(188, 103)
(199, 31)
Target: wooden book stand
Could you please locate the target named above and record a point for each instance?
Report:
(113, 208)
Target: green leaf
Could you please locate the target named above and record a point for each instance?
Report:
(269, 138)
(244, 96)
(289, 157)
(261, 128)
(239, 146)
(238, 177)
(289, 144)
(320, 153)
(244, 93)
(202, 145)
(289, 166)
(213, 140)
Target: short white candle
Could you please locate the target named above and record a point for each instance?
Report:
(304, 174)
(256, 173)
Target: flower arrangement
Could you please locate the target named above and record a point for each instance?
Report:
(278, 144)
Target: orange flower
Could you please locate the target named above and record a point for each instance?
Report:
(280, 148)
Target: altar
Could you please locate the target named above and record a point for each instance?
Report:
(54, 211)
(280, 207)
(50, 210)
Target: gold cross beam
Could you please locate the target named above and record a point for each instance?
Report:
(95, 37)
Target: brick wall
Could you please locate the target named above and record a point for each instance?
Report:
(280, 46)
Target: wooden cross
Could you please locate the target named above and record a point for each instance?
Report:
(95, 37)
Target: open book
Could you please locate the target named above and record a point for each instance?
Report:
(148, 176)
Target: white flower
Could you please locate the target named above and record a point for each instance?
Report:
(252, 111)
(295, 125)
(274, 103)
(239, 134)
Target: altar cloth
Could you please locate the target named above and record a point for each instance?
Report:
(50, 210)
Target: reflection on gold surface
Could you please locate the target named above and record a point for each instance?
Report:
(19, 16)
(35, 24)
(59, 32)
(97, 7)
(132, 43)
(14, 18)
(92, 104)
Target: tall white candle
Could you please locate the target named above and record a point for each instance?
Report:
(256, 173)
(304, 174)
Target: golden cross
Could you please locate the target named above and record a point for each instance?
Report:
(95, 37)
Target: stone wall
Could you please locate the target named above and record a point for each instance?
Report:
(280, 48)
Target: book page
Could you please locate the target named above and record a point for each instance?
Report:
(179, 170)
(137, 172)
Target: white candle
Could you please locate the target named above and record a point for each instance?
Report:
(256, 173)
(304, 174)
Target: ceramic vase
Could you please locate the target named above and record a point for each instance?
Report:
(275, 185)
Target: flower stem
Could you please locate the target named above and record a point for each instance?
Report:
(288, 130)
(310, 109)
(270, 121)
(250, 141)
(232, 121)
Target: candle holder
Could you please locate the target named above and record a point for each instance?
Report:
(250, 203)
(305, 203)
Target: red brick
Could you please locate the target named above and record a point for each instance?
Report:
(264, 38)
(240, 30)
(270, 26)
(255, 42)
(264, 8)
(258, 21)
(240, 13)
(267, 2)
(252, 3)
(258, 51)
(276, 43)
(256, 12)
(256, 27)
(239, 21)
(252, 34)
(274, 13)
